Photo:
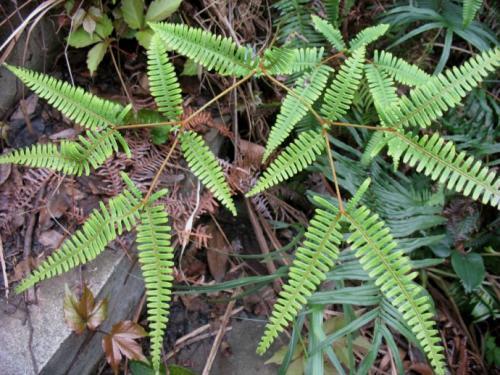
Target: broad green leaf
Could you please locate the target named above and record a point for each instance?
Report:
(470, 269)
(191, 68)
(80, 38)
(144, 37)
(133, 13)
(161, 9)
(95, 56)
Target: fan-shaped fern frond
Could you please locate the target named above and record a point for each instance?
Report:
(163, 81)
(469, 10)
(203, 164)
(440, 160)
(209, 50)
(312, 261)
(156, 259)
(286, 61)
(399, 69)
(297, 156)
(296, 105)
(428, 102)
(79, 106)
(339, 96)
(102, 227)
(73, 158)
(375, 248)
(367, 36)
(331, 34)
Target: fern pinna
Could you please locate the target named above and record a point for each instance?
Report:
(319, 94)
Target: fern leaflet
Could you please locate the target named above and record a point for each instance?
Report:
(381, 87)
(428, 102)
(367, 36)
(296, 105)
(469, 10)
(79, 106)
(209, 50)
(312, 261)
(440, 160)
(156, 258)
(375, 248)
(163, 81)
(288, 61)
(331, 34)
(339, 96)
(399, 69)
(297, 156)
(203, 164)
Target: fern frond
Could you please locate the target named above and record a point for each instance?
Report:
(399, 69)
(296, 105)
(83, 108)
(286, 61)
(72, 158)
(469, 10)
(375, 249)
(332, 11)
(203, 164)
(367, 36)
(339, 95)
(313, 260)
(331, 34)
(382, 88)
(209, 50)
(440, 160)
(301, 153)
(102, 227)
(163, 81)
(156, 259)
(373, 147)
(429, 101)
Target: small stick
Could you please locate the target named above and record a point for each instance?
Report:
(4, 271)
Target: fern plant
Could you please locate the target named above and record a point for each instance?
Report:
(321, 97)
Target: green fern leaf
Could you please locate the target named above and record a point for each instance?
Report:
(203, 164)
(102, 227)
(297, 156)
(399, 69)
(382, 88)
(163, 81)
(375, 248)
(313, 260)
(286, 61)
(156, 258)
(339, 95)
(469, 10)
(332, 11)
(296, 105)
(367, 36)
(209, 50)
(331, 34)
(429, 101)
(440, 160)
(79, 106)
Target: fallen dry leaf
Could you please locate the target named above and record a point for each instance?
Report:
(82, 313)
(51, 239)
(217, 253)
(4, 172)
(121, 341)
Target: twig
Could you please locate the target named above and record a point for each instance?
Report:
(334, 173)
(4, 271)
(117, 68)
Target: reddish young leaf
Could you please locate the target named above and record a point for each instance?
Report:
(82, 313)
(121, 341)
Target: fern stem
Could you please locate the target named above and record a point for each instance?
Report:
(334, 172)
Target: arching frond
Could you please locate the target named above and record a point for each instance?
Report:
(102, 227)
(440, 160)
(156, 259)
(163, 81)
(339, 96)
(296, 105)
(469, 10)
(428, 102)
(399, 69)
(203, 164)
(367, 36)
(376, 250)
(297, 156)
(70, 157)
(209, 50)
(331, 34)
(286, 61)
(79, 106)
(312, 261)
